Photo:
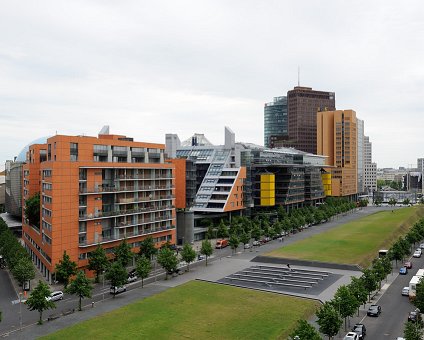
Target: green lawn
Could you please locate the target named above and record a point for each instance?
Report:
(356, 242)
(198, 310)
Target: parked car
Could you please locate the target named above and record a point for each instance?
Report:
(408, 264)
(131, 278)
(256, 243)
(374, 310)
(422, 245)
(413, 316)
(116, 290)
(221, 244)
(247, 246)
(351, 336)
(417, 254)
(405, 291)
(419, 250)
(403, 271)
(55, 296)
(360, 329)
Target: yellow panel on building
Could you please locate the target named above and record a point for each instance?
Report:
(267, 190)
(326, 182)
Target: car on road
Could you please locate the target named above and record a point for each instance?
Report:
(417, 254)
(360, 329)
(131, 278)
(408, 264)
(405, 291)
(422, 245)
(116, 290)
(256, 243)
(403, 271)
(351, 336)
(413, 316)
(374, 310)
(55, 296)
(247, 246)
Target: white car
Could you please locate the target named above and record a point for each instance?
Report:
(256, 243)
(117, 290)
(132, 278)
(351, 336)
(247, 246)
(405, 291)
(422, 246)
(55, 296)
(417, 254)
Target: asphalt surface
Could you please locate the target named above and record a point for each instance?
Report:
(222, 264)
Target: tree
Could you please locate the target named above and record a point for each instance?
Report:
(329, 320)
(397, 251)
(304, 330)
(65, 269)
(123, 253)
(206, 249)
(406, 201)
(378, 270)
(392, 202)
(80, 287)
(38, 300)
(117, 275)
(345, 302)
(256, 232)
(356, 287)
(413, 330)
(211, 232)
(143, 268)
(188, 254)
(234, 243)
(369, 281)
(222, 231)
(147, 248)
(32, 210)
(98, 261)
(419, 296)
(168, 260)
(23, 270)
(245, 239)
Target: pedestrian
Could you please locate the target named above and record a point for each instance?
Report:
(288, 266)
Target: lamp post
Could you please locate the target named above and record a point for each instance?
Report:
(20, 310)
(103, 284)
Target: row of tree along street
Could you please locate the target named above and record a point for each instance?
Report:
(349, 298)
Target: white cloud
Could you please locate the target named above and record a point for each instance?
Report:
(148, 68)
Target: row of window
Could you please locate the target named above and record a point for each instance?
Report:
(47, 186)
(46, 212)
(47, 199)
(36, 246)
(47, 226)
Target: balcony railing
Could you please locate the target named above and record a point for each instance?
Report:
(97, 190)
(101, 214)
(127, 235)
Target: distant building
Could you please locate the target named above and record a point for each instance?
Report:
(2, 193)
(13, 194)
(275, 121)
(303, 103)
(420, 165)
(370, 168)
(336, 139)
(96, 191)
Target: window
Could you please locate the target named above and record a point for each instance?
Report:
(74, 152)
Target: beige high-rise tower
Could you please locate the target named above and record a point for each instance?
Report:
(336, 139)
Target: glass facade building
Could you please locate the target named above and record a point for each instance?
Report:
(275, 120)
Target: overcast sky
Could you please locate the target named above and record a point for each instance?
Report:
(147, 68)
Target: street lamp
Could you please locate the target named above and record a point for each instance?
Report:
(103, 284)
(20, 310)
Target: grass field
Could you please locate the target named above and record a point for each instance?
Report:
(356, 242)
(198, 310)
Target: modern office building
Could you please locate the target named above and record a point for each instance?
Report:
(420, 165)
(275, 121)
(370, 168)
(239, 179)
(303, 103)
(361, 157)
(337, 139)
(96, 191)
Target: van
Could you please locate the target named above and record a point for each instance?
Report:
(221, 244)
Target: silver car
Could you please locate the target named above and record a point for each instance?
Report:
(55, 296)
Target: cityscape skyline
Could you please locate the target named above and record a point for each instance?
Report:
(67, 67)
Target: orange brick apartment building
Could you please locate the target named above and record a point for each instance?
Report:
(96, 191)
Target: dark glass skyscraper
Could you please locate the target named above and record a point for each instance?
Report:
(275, 120)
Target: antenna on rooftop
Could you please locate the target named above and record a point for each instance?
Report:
(298, 76)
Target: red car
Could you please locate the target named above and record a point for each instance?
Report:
(408, 265)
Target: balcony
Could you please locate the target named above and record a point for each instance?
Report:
(128, 235)
(100, 214)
